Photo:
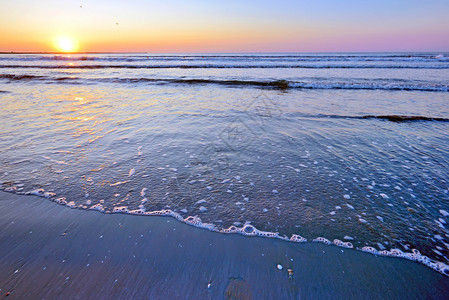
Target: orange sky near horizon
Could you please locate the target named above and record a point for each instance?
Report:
(234, 26)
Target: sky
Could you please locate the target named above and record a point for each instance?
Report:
(175, 26)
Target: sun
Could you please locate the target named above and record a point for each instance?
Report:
(65, 44)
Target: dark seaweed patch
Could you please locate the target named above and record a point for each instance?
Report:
(401, 118)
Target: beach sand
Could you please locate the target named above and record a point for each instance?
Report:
(48, 251)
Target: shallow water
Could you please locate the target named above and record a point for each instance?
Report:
(280, 142)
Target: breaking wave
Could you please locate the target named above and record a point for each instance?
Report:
(229, 66)
(275, 84)
(114, 57)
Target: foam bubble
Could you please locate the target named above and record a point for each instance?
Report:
(249, 229)
(339, 243)
(120, 209)
(193, 220)
(298, 239)
(41, 193)
(98, 207)
(61, 201)
(370, 250)
(322, 240)
(140, 211)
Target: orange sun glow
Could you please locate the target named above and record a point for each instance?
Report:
(65, 44)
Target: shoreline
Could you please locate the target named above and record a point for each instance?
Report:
(248, 230)
(52, 251)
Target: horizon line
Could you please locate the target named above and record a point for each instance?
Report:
(147, 52)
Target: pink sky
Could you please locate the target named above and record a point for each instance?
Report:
(226, 26)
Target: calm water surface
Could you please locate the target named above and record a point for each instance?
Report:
(301, 144)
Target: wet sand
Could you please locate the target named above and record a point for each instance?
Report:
(48, 251)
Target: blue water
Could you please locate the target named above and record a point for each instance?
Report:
(346, 148)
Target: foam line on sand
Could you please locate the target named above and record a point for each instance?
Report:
(54, 252)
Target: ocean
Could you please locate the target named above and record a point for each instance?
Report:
(350, 149)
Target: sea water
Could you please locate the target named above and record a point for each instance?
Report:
(347, 148)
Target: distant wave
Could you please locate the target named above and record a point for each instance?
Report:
(12, 77)
(250, 58)
(20, 77)
(276, 84)
(224, 66)
(284, 84)
(280, 84)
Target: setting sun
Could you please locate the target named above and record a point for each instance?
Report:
(65, 44)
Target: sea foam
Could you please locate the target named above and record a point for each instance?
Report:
(249, 230)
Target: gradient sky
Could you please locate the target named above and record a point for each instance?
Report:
(226, 26)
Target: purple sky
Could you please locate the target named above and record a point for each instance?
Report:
(226, 26)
